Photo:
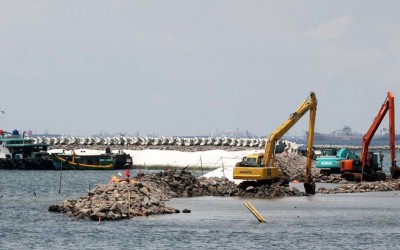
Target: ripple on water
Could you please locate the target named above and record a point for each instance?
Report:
(342, 221)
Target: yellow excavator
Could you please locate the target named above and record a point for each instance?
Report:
(262, 168)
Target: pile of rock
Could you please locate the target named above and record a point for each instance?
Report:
(268, 191)
(333, 178)
(218, 186)
(178, 183)
(362, 187)
(114, 201)
(293, 167)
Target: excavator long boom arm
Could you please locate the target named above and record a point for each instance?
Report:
(260, 167)
(388, 105)
(309, 104)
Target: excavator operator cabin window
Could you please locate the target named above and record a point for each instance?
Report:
(252, 160)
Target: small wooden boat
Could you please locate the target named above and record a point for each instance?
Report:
(108, 161)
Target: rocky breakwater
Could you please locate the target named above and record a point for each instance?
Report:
(362, 187)
(293, 167)
(115, 201)
(216, 186)
(266, 191)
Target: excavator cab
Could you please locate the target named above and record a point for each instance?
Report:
(253, 160)
(376, 160)
(352, 169)
(251, 168)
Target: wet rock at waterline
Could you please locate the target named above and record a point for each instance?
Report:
(115, 201)
(377, 186)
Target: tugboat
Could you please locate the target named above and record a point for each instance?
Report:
(20, 152)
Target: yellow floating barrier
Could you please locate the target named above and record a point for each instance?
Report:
(254, 211)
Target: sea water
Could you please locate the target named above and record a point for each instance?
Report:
(322, 221)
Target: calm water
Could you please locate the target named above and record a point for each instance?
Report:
(346, 221)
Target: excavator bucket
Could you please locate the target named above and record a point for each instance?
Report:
(310, 187)
(395, 172)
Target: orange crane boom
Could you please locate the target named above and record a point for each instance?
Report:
(388, 105)
(368, 166)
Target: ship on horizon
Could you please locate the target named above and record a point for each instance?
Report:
(346, 136)
(237, 133)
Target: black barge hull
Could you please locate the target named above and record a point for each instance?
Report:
(26, 164)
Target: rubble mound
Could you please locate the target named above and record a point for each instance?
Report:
(147, 196)
(114, 201)
(293, 167)
(264, 191)
(377, 186)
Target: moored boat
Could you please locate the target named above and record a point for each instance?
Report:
(107, 161)
(20, 152)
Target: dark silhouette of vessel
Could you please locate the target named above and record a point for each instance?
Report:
(346, 136)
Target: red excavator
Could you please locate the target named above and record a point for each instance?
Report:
(369, 167)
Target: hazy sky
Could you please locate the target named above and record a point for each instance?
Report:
(192, 67)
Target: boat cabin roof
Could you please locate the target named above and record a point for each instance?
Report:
(18, 141)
